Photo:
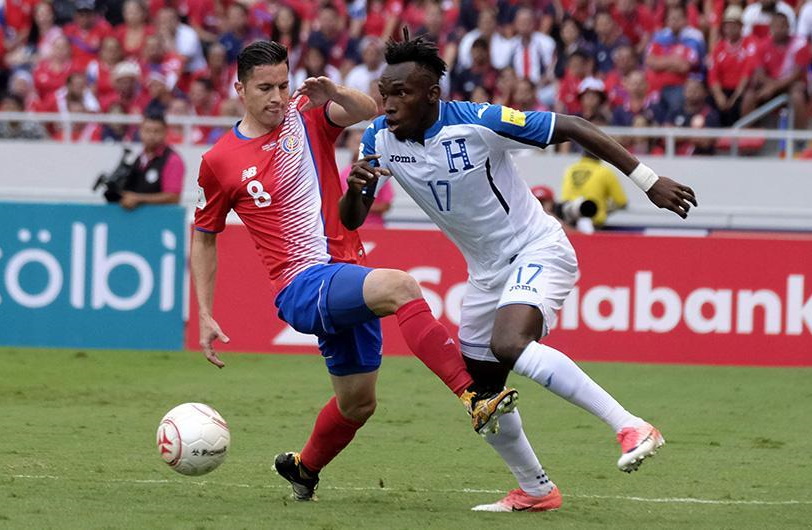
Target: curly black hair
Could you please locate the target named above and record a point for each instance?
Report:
(419, 50)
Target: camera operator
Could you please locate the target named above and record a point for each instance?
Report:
(157, 174)
(589, 179)
(574, 216)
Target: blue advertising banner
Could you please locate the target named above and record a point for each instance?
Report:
(91, 276)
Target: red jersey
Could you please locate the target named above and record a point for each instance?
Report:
(780, 60)
(85, 44)
(19, 15)
(100, 77)
(568, 93)
(729, 63)
(613, 84)
(132, 49)
(285, 188)
(378, 13)
(48, 77)
(636, 25)
(663, 78)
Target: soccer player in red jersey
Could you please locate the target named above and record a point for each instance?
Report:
(276, 169)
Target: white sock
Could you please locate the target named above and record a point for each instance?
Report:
(558, 373)
(515, 450)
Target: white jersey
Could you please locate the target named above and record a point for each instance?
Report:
(463, 177)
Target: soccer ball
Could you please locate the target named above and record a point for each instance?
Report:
(193, 439)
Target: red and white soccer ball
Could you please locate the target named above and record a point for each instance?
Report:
(193, 439)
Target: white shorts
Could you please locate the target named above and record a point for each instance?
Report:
(542, 277)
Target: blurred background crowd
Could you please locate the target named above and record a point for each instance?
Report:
(691, 63)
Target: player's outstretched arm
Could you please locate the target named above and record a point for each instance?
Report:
(203, 260)
(355, 204)
(662, 191)
(349, 105)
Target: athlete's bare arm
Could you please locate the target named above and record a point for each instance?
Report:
(354, 206)
(349, 105)
(665, 193)
(203, 260)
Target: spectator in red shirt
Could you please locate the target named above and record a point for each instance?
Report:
(635, 21)
(133, 33)
(381, 18)
(780, 65)
(100, 69)
(76, 89)
(18, 15)
(203, 16)
(728, 68)
(579, 66)
(39, 42)
(221, 75)
(128, 91)
(203, 98)
(52, 72)
(669, 60)
(155, 58)
(86, 32)
(625, 62)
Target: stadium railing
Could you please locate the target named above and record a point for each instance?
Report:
(670, 136)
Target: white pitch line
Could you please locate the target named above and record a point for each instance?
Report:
(662, 500)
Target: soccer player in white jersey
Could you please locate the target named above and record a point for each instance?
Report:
(452, 158)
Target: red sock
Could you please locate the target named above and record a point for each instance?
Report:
(431, 343)
(331, 434)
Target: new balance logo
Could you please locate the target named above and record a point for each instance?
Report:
(249, 173)
(402, 159)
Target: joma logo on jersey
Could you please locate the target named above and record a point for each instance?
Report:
(249, 173)
(523, 288)
(402, 158)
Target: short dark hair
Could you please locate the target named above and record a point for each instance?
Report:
(480, 42)
(260, 53)
(419, 50)
(154, 114)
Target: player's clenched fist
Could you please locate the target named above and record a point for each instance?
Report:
(364, 173)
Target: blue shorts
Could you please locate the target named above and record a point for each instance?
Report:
(328, 301)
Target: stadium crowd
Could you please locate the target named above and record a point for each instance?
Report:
(685, 63)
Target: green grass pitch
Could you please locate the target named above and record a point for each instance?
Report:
(78, 447)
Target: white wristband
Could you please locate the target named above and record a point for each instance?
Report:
(643, 176)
